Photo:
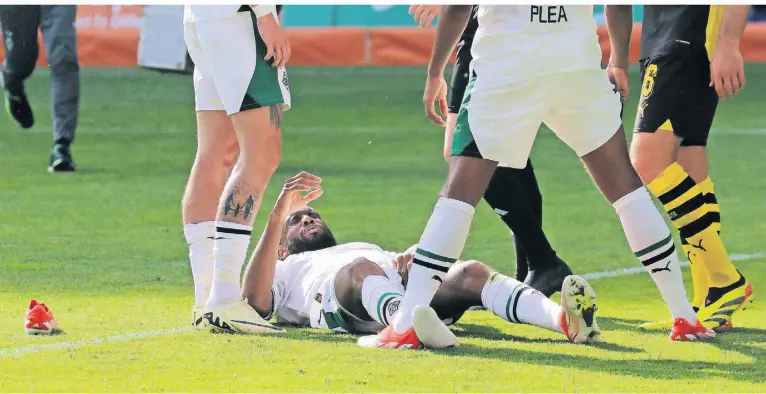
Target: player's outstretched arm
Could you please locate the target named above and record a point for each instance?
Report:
(619, 24)
(454, 19)
(259, 274)
(727, 68)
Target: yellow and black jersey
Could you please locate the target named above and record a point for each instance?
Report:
(668, 29)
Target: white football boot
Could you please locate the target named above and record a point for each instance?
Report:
(236, 317)
(578, 311)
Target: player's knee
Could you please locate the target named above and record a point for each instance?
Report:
(272, 158)
(470, 276)
(360, 269)
(229, 157)
(645, 168)
(652, 153)
(266, 158)
(348, 282)
(216, 159)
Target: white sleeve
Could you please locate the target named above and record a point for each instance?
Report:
(279, 287)
(261, 10)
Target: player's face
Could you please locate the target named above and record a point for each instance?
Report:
(306, 231)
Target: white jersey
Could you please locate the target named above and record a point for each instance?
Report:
(195, 13)
(516, 42)
(300, 278)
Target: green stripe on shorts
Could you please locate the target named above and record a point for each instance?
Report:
(463, 135)
(264, 89)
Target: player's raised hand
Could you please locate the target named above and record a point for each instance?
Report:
(435, 94)
(424, 14)
(727, 71)
(273, 35)
(618, 76)
(291, 198)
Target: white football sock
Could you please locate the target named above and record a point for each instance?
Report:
(440, 246)
(230, 251)
(380, 298)
(650, 239)
(199, 236)
(516, 302)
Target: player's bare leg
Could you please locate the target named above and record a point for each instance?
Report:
(259, 138)
(364, 291)
(449, 132)
(216, 154)
(691, 206)
(652, 153)
(694, 160)
(646, 231)
(442, 240)
(472, 283)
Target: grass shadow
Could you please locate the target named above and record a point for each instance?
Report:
(739, 340)
(669, 369)
(617, 324)
(468, 330)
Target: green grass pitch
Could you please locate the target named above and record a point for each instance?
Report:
(104, 248)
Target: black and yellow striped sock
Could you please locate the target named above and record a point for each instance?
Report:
(708, 193)
(687, 208)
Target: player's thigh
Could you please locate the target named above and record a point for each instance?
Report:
(498, 122)
(216, 139)
(698, 101)
(676, 105)
(235, 51)
(205, 93)
(662, 80)
(585, 111)
(342, 306)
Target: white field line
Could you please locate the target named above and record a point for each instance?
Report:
(22, 351)
(639, 269)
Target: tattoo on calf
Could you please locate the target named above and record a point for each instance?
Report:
(275, 116)
(233, 207)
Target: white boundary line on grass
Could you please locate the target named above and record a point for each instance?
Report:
(22, 351)
(640, 269)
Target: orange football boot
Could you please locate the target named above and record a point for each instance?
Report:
(684, 331)
(40, 320)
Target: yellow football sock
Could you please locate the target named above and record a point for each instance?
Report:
(699, 276)
(708, 193)
(688, 210)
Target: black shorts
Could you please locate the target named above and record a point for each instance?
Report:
(675, 95)
(460, 76)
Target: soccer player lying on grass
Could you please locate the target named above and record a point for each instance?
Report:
(299, 274)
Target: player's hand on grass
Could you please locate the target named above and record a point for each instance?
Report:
(273, 35)
(424, 14)
(291, 198)
(727, 71)
(618, 76)
(436, 94)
